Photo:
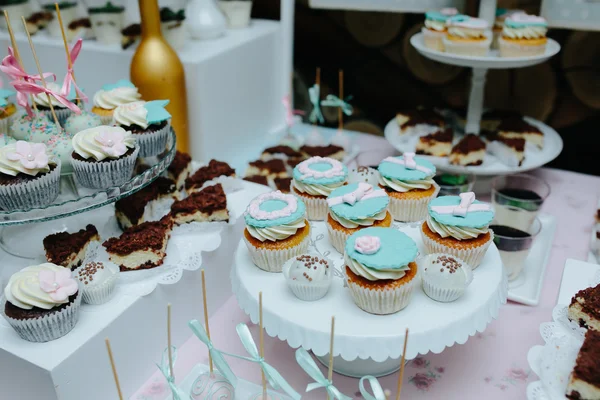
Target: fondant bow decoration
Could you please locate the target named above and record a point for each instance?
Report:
(69, 80)
(289, 112)
(408, 162)
(364, 191)
(308, 365)
(378, 392)
(178, 394)
(464, 207)
(333, 101)
(216, 355)
(314, 94)
(34, 88)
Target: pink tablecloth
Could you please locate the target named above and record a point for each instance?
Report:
(492, 363)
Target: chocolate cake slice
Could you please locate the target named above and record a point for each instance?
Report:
(469, 151)
(68, 249)
(207, 205)
(272, 169)
(260, 179)
(331, 151)
(142, 246)
(213, 170)
(510, 152)
(584, 381)
(180, 168)
(419, 122)
(283, 184)
(281, 152)
(518, 128)
(437, 144)
(585, 308)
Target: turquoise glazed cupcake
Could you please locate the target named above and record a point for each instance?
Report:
(459, 226)
(380, 269)
(35, 128)
(314, 180)
(79, 122)
(353, 207)
(408, 180)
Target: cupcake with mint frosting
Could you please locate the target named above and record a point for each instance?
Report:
(435, 29)
(149, 123)
(276, 230)
(314, 180)
(380, 269)
(354, 207)
(458, 226)
(104, 156)
(28, 176)
(523, 35)
(408, 180)
(113, 95)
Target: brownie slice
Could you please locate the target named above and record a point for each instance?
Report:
(584, 381)
(180, 168)
(283, 184)
(260, 179)
(274, 168)
(280, 151)
(207, 205)
(213, 170)
(585, 308)
(68, 249)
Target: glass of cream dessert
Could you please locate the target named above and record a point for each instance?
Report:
(514, 245)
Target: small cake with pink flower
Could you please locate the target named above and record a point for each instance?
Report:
(523, 35)
(103, 156)
(380, 269)
(468, 36)
(435, 28)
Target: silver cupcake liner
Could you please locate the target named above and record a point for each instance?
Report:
(36, 192)
(152, 143)
(105, 174)
(61, 113)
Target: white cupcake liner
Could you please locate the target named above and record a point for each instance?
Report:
(105, 174)
(308, 291)
(438, 293)
(471, 48)
(273, 260)
(99, 294)
(6, 123)
(411, 210)
(472, 256)
(152, 143)
(49, 327)
(510, 49)
(337, 238)
(382, 301)
(37, 192)
(433, 39)
(316, 208)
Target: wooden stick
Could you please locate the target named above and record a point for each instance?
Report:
(114, 368)
(210, 362)
(64, 36)
(340, 113)
(37, 63)
(330, 372)
(262, 344)
(402, 362)
(170, 352)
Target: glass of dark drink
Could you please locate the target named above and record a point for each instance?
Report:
(517, 199)
(454, 184)
(514, 245)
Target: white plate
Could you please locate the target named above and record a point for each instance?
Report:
(492, 60)
(534, 158)
(526, 289)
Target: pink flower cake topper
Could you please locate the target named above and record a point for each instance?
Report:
(30, 155)
(464, 207)
(112, 142)
(58, 284)
(367, 244)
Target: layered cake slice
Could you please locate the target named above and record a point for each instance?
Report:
(419, 122)
(207, 205)
(180, 168)
(214, 169)
(281, 152)
(510, 152)
(518, 128)
(584, 381)
(260, 179)
(68, 249)
(469, 151)
(283, 184)
(272, 169)
(331, 151)
(437, 144)
(142, 246)
(585, 308)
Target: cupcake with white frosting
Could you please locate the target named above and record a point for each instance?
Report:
(523, 35)
(149, 123)
(314, 179)
(29, 177)
(435, 29)
(103, 156)
(113, 95)
(467, 36)
(308, 276)
(42, 302)
(43, 101)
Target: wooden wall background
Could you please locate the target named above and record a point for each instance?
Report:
(385, 74)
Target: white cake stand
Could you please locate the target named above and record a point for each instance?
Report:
(366, 343)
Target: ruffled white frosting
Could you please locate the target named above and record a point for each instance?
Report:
(351, 224)
(41, 99)
(316, 190)
(526, 32)
(373, 274)
(23, 289)
(405, 186)
(111, 99)
(457, 232)
(435, 25)
(278, 232)
(13, 168)
(131, 114)
(86, 145)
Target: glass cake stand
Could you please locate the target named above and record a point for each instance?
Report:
(20, 228)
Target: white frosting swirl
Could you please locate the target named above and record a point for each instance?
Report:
(351, 223)
(278, 232)
(41, 99)
(86, 144)
(457, 232)
(435, 25)
(526, 32)
(316, 189)
(372, 274)
(111, 99)
(131, 114)
(406, 186)
(23, 289)
(471, 28)
(14, 167)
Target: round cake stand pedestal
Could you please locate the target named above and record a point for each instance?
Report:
(357, 368)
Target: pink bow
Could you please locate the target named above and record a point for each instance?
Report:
(66, 87)
(466, 206)
(33, 88)
(289, 112)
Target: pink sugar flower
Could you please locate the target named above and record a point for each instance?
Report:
(58, 284)
(31, 155)
(113, 142)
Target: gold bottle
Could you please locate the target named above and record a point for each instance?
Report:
(158, 73)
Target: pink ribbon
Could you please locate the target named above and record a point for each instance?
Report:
(466, 206)
(364, 191)
(69, 80)
(408, 162)
(33, 88)
(289, 112)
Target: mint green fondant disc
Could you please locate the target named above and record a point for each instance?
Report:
(397, 249)
(275, 205)
(473, 219)
(392, 170)
(522, 24)
(321, 167)
(361, 209)
(436, 16)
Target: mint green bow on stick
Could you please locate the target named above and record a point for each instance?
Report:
(178, 394)
(215, 354)
(314, 94)
(333, 101)
(310, 367)
(378, 393)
